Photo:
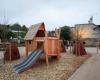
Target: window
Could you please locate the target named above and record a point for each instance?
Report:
(29, 42)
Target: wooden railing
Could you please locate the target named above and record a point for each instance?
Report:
(39, 39)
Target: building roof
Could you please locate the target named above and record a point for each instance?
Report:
(85, 24)
(32, 31)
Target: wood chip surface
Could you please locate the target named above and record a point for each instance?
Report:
(56, 70)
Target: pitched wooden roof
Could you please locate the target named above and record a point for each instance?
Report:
(32, 31)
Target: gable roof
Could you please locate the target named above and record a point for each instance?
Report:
(32, 31)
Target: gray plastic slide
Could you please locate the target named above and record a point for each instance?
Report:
(29, 61)
(24, 60)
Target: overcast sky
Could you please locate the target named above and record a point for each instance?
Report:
(54, 13)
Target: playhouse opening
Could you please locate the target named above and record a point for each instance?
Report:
(40, 45)
(40, 33)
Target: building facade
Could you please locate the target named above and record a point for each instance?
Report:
(90, 33)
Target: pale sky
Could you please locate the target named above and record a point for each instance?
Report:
(54, 13)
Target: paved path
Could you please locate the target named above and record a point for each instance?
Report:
(90, 70)
(92, 50)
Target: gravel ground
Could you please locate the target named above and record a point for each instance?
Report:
(56, 70)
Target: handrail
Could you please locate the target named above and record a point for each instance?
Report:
(39, 39)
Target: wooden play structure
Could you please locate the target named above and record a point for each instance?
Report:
(79, 48)
(37, 38)
(12, 52)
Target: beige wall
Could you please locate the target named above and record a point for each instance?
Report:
(86, 31)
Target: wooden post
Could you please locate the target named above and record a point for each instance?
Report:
(47, 61)
(58, 42)
(98, 46)
(59, 49)
(10, 51)
(70, 46)
(46, 48)
(79, 44)
(77, 32)
(4, 57)
(4, 46)
(26, 47)
(76, 47)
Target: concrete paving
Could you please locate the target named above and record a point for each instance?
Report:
(92, 50)
(90, 70)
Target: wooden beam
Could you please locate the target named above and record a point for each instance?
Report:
(10, 51)
(26, 47)
(46, 48)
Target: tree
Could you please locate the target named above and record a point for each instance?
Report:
(24, 28)
(16, 27)
(23, 32)
(65, 34)
(4, 27)
(10, 35)
(3, 32)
